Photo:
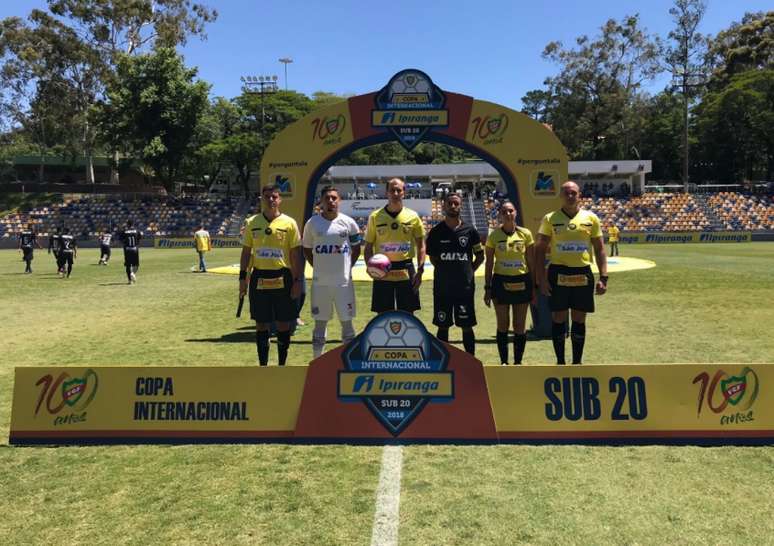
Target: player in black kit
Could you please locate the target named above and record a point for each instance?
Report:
(27, 241)
(104, 247)
(455, 251)
(55, 244)
(130, 238)
(67, 253)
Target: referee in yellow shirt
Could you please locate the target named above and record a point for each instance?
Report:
(272, 241)
(571, 233)
(398, 233)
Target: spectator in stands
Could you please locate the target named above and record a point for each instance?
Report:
(203, 245)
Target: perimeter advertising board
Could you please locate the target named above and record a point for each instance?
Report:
(397, 383)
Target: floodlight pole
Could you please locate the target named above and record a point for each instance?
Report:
(265, 85)
(286, 61)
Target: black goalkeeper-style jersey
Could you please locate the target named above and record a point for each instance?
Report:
(55, 242)
(130, 238)
(67, 243)
(27, 238)
(453, 251)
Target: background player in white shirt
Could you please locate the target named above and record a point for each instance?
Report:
(331, 245)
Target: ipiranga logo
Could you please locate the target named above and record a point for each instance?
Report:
(395, 368)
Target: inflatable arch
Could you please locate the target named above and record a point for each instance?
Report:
(411, 109)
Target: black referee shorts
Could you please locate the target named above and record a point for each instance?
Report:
(571, 288)
(270, 296)
(454, 304)
(511, 289)
(131, 257)
(389, 295)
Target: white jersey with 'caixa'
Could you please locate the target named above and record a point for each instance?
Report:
(331, 242)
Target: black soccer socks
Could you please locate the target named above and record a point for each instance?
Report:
(469, 341)
(262, 343)
(502, 346)
(519, 343)
(558, 333)
(443, 334)
(578, 337)
(283, 344)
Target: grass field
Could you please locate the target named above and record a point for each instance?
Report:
(702, 303)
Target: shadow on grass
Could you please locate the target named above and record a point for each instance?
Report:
(125, 283)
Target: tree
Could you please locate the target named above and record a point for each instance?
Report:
(684, 58)
(660, 136)
(586, 102)
(81, 41)
(744, 46)
(734, 126)
(158, 105)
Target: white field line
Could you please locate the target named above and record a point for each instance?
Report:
(387, 515)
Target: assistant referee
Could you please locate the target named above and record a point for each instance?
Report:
(571, 233)
(273, 242)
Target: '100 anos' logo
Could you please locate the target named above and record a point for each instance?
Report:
(738, 391)
(67, 394)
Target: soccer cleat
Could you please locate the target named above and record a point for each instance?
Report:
(503, 364)
(134, 278)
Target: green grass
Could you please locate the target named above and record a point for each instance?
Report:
(702, 303)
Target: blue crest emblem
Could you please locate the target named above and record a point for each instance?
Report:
(395, 367)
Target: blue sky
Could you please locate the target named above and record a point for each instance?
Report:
(487, 49)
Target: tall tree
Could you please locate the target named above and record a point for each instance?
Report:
(684, 57)
(596, 84)
(158, 105)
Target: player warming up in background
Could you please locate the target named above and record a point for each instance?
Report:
(272, 240)
(612, 237)
(131, 238)
(104, 247)
(509, 277)
(398, 233)
(67, 253)
(455, 251)
(28, 239)
(203, 245)
(331, 246)
(54, 244)
(571, 233)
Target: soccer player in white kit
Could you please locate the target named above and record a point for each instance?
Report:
(331, 246)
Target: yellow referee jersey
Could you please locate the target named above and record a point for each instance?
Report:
(571, 237)
(394, 236)
(612, 233)
(271, 242)
(510, 251)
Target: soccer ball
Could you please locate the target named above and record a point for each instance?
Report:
(392, 331)
(411, 82)
(378, 266)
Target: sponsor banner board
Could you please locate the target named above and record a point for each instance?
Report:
(54, 405)
(364, 207)
(680, 402)
(186, 242)
(365, 392)
(682, 237)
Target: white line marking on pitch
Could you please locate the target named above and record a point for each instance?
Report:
(387, 516)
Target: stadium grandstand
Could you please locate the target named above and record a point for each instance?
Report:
(615, 191)
(86, 216)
